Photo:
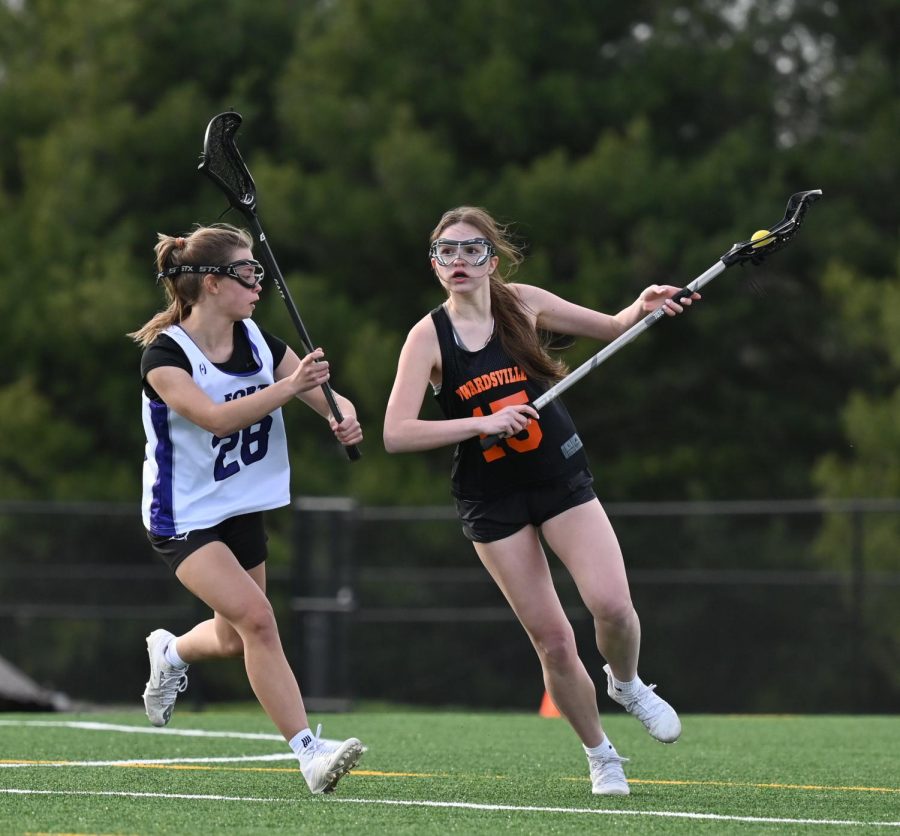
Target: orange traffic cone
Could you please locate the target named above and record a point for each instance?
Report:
(548, 707)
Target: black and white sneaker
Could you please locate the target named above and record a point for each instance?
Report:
(324, 762)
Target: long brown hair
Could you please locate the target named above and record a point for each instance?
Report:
(210, 245)
(518, 336)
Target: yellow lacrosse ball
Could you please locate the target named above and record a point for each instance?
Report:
(761, 233)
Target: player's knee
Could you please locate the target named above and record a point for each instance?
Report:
(557, 648)
(258, 623)
(616, 614)
(232, 645)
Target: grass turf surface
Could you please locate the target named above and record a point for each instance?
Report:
(446, 773)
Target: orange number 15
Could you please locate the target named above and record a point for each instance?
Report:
(517, 443)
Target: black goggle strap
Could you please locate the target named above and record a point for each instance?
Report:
(230, 270)
(172, 272)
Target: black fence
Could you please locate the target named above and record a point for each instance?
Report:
(745, 606)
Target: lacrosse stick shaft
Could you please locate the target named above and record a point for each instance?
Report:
(623, 339)
(222, 163)
(267, 259)
(773, 240)
(607, 351)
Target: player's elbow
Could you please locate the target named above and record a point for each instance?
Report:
(391, 444)
(220, 425)
(394, 440)
(220, 430)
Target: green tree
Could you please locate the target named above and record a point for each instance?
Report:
(629, 144)
(630, 147)
(868, 465)
(858, 130)
(105, 103)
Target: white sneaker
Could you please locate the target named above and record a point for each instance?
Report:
(658, 717)
(324, 762)
(607, 776)
(166, 682)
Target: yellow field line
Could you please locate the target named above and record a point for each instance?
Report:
(761, 786)
(382, 774)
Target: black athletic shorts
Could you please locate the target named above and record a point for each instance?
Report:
(245, 535)
(487, 520)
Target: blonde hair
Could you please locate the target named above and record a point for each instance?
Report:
(517, 335)
(207, 245)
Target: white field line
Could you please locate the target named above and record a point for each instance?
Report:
(112, 727)
(89, 726)
(108, 727)
(281, 756)
(458, 805)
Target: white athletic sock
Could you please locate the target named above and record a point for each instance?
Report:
(627, 687)
(172, 656)
(604, 749)
(300, 741)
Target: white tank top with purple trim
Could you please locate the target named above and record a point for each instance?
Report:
(194, 479)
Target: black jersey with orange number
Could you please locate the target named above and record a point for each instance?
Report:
(487, 380)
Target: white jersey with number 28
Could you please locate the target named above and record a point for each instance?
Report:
(194, 479)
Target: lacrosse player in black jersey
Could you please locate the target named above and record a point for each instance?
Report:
(482, 355)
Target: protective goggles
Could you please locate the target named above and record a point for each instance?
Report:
(246, 272)
(475, 251)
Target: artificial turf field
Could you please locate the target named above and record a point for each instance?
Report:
(445, 772)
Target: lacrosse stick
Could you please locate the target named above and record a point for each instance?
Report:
(222, 163)
(761, 245)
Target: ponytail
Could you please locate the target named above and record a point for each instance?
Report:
(211, 245)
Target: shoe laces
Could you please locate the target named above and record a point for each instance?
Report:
(318, 745)
(172, 683)
(645, 704)
(600, 763)
(601, 759)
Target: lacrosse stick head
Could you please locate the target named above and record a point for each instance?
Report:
(756, 250)
(222, 162)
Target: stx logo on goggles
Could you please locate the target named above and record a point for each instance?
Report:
(246, 272)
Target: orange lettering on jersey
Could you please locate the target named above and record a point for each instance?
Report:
(491, 380)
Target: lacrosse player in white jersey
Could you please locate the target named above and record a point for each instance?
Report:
(216, 458)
